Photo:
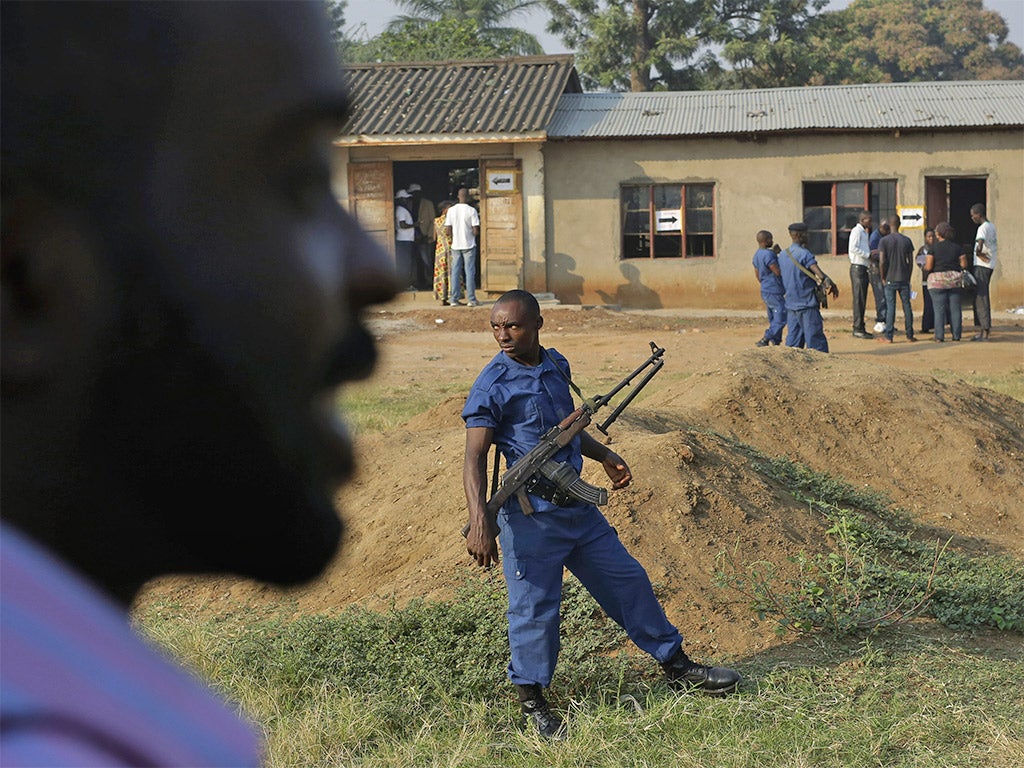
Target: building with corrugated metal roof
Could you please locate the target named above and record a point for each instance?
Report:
(654, 199)
(445, 125)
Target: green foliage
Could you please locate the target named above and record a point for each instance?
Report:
(877, 574)
(639, 45)
(441, 40)
(644, 45)
(488, 19)
(877, 41)
(785, 44)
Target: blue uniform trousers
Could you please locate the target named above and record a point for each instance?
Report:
(535, 548)
(806, 329)
(775, 303)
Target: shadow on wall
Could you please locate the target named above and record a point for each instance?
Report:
(634, 294)
(569, 286)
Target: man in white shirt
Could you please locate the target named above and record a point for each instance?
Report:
(860, 252)
(984, 265)
(405, 241)
(462, 226)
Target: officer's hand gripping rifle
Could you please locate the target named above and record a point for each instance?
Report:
(539, 462)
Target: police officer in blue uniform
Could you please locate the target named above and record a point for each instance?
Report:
(518, 396)
(806, 328)
(768, 274)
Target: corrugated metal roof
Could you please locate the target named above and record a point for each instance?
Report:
(889, 106)
(500, 96)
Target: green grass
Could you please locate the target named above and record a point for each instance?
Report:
(368, 407)
(423, 686)
(1010, 383)
(878, 572)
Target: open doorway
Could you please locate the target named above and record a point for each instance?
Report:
(439, 182)
(950, 199)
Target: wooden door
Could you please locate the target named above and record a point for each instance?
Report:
(936, 208)
(371, 200)
(501, 225)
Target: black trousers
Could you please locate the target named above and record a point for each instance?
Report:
(982, 304)
(859, 282)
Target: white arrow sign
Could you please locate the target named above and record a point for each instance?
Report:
(668, 221)
(911, 218)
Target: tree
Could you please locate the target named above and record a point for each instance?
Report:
(781, 43)
(637, 45)
(439, 40)
(691, 44)
(336, 21)
(681, 44)
(490, 18)
(920, 40)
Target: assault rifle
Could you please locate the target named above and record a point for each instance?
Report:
(538, 464)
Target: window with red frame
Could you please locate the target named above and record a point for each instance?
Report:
(668, 221)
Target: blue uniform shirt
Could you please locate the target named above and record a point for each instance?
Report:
(799, 287)
(520, 403)
(771, 284)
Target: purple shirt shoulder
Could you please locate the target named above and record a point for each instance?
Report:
(80, 688)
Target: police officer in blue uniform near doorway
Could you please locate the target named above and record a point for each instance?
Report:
(521, 393)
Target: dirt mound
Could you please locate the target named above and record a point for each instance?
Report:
(952, 455)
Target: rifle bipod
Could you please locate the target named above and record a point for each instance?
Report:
(654, 362)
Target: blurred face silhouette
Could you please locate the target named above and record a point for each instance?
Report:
(210, 441)
(269, 272)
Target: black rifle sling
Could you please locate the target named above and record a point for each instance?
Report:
(565, 376)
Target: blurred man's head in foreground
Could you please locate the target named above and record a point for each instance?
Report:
(181, 290)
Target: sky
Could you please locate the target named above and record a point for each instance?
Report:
(373, 15)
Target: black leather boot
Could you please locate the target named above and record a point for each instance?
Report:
(536, 710)
(684, 674)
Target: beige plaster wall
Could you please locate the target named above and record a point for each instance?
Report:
(534, 211)
(758, 185)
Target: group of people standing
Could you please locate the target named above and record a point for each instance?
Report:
(948, 275)
(436, 247)
(883, 259)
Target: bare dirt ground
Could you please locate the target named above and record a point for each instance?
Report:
(896, 418)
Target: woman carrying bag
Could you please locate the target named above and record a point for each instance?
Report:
(945, 267)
